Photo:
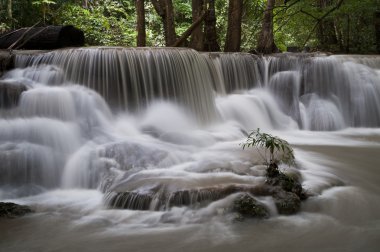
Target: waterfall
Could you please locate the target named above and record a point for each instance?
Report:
(131, 78)
(327, 92)
(155, 121)
(234, 71)
(157, 132)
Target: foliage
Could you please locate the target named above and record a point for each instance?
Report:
(44, 6)
(3, 27)
(350, 28)
(183, 15)
(102, 25)
(279, 149)
(154, 29)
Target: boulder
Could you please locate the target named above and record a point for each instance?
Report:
(285, 182)
(12, 210)
(287, 203)
(247, 206)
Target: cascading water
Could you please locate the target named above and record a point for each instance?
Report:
(159, 130)
(130, 78)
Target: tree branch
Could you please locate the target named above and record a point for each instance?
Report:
(190, 30)
(319, 20)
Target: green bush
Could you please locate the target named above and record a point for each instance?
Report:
(99, 26)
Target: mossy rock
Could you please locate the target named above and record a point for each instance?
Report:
(287, 203)
(272, 170)
(247, 206)
(286, 182)
(12, 210)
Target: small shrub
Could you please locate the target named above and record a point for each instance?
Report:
(276, 149)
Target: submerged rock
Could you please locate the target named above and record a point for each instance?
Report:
(287, 203)
(159, 199)
(12, 210)
(247, 206)
(285, 191)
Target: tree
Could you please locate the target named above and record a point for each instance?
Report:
(266, 39)
(377, 29)
(329, 25)
(9, 11)
(164, 9)
(141, 32)
(326, 33)
(211, 43)
(235, 13)
(197, 36)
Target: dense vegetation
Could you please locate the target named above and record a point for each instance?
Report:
(210, 25)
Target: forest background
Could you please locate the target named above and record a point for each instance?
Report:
(263, 26)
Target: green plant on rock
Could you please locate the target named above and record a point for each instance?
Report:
(276, 150)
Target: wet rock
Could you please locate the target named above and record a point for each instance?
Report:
(272, 170)
(285, 182)
(287, 191)
(10, 93)
(12, 210)
(6, 61)
(130, 200)
(160, 198)
(287, 203)
(247, 206)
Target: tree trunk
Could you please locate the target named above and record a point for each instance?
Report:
(169, 24)
(164, 9)
(338, 34)
(141, 33)
(266, 39)
(377, 30)
(235, 13)
(348, 35)
(9, 11)
(85, 4)
(211, 42)
(197, 36)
